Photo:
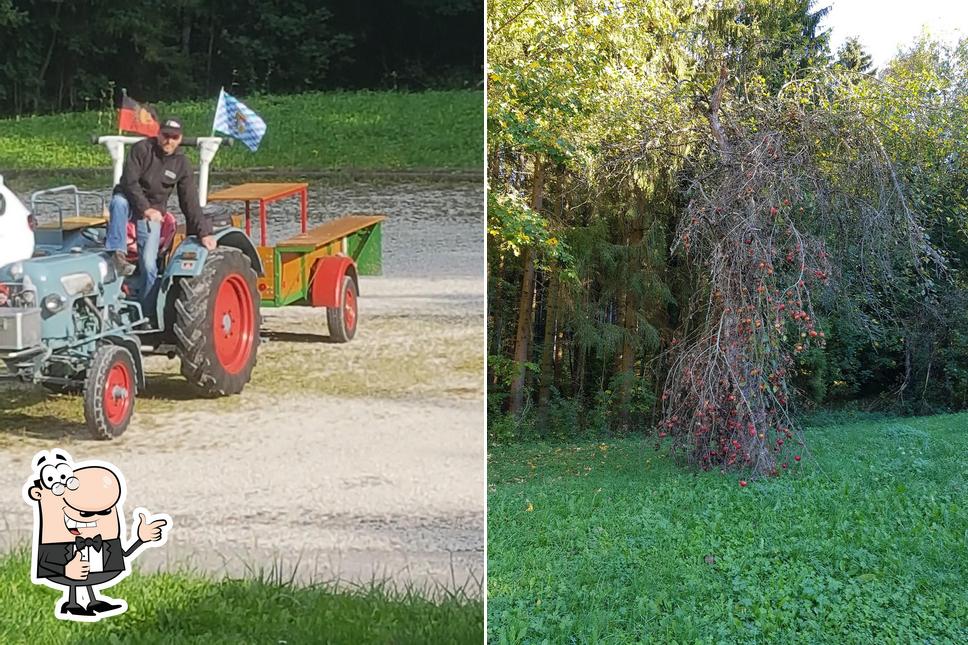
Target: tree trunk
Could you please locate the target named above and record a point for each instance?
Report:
(621, 306)
(494, 347)
(546, 374)
(50, 52)
(522, 337)
(186, 34)
(559, 357)
(60, 90)
(578, 378)
(208, 59)
(630, 324)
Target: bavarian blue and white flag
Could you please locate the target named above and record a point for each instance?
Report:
(233, 118)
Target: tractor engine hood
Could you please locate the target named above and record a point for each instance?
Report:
(68, 274)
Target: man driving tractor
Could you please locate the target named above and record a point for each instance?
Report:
(153, 168)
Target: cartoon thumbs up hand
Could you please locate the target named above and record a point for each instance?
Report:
(77, 569)
(150, 531)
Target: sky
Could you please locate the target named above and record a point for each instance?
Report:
(884, 25)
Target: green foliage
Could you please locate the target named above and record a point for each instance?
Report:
(611, 101)
(185, 608)
(793, 29)
(374, 130)
(613, 543)
(812, 374)
(515, 226)
(79, 54)
(853, 56)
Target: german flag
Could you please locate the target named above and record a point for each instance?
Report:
(138, 118)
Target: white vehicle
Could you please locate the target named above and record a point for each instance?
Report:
(16, 234)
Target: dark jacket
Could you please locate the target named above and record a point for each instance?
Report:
(148, 178)
(52, 558)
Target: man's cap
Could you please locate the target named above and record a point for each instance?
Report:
(171, 125)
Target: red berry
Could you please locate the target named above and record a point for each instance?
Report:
(742, 483)
(796, 458)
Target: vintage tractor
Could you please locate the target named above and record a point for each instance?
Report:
(69, 322)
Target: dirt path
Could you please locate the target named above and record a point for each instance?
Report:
(356, 460)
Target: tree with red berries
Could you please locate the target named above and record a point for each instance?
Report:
(788, 186)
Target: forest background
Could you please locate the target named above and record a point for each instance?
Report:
(610, 129)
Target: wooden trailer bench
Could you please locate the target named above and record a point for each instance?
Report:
(357, 235)
(290, 265)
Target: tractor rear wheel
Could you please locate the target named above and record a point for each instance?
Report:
(217, 322)
(109, 392)
(342, 319)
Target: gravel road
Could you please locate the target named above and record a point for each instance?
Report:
(338, 461)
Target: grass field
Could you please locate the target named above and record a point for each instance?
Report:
(614, 543)
(315, 131)
(183, 608)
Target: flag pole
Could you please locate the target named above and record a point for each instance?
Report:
(221, 91)
(124, 94)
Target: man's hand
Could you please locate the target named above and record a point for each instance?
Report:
(209, 242)
(77, 569)
(153, 214)
(149, 532)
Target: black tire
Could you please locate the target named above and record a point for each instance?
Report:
(195, 330)
(342, 326)
(109, 392)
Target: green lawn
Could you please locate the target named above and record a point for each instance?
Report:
(614, 543)
(182, 608)
(315, 131)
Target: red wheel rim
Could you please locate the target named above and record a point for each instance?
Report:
(233, 324)
(349, 309)
(118, 397)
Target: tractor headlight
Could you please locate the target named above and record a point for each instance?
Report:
(17, 270)
(54, 302)
(78, 283)
(103, 268)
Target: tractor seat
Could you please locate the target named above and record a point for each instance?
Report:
(168, 228)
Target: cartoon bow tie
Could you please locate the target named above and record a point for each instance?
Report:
(83, 543)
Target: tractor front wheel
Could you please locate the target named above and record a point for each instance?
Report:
(109, 392)
(217, 322)
(342, 319)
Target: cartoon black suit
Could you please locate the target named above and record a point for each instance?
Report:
(77, 532)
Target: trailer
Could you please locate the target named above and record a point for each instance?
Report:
(318, 266)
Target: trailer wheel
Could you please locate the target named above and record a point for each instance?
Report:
(342, 319)
(217, 322)
(109, 392)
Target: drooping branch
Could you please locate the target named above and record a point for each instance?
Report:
(757, 228)
(714, 105)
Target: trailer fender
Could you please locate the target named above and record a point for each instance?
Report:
(327, 280)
